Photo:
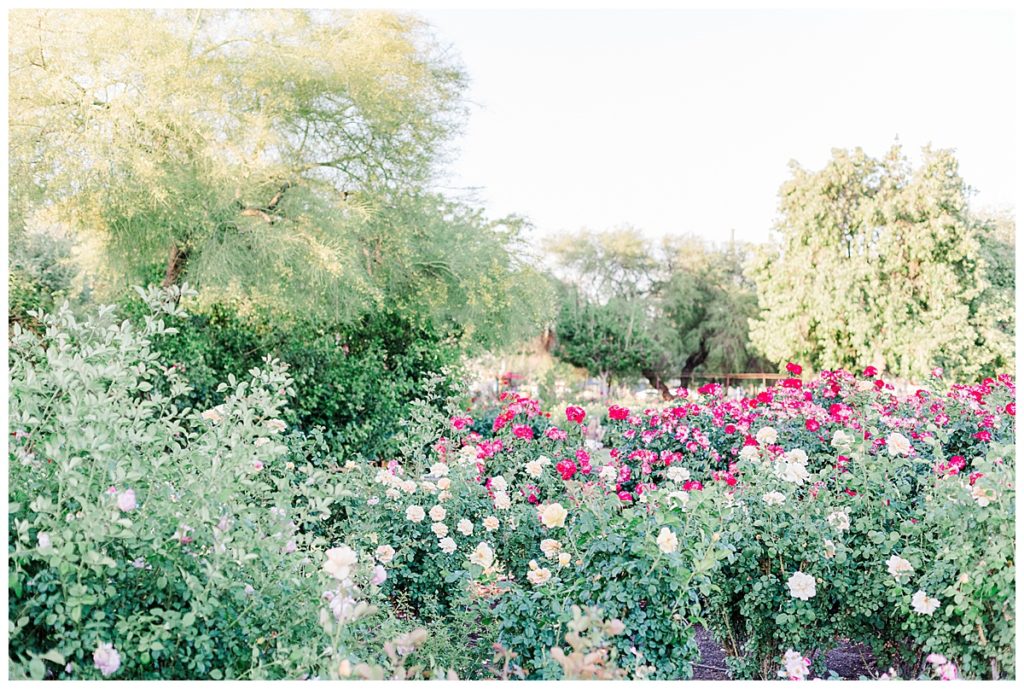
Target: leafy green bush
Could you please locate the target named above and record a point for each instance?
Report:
(355, 382)
(147, 539)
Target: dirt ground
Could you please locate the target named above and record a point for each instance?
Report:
(847, 660)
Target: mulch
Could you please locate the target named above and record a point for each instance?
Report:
(849, 661)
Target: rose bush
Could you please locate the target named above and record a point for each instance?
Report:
(152, 540)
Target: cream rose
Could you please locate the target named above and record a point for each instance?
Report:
(668, 542)
(553, 515)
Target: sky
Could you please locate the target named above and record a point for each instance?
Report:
(685, 121)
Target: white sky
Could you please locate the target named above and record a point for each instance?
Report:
(684, 121)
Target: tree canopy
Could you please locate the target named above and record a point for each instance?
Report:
(880, 263)
(631, 308)
(274, 158)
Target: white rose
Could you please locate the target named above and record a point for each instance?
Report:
(534, 468)
(802, 586)
(608, 473)
(385, 554)
(275, 425)
(678, 474)
(898, 444)
(678, 496)
(563, 559)
(465, 527)
(415, 513)
(668, 542)
(796, 455)
(841, 439)
(924, 604)
(106, 659)
(538, 575)
(553, 515)
(447, 544)
(502, 501)
(499, 484)
(440, 530)
(898, 566)
(437, 513)
(439, 469)
(409, 486)
(749, 453)
(340, 561)
(839, 520)
(793, 472)
(215, 415)
(796, 666)
(491, 523)
(773, 498)
(444, 483)
(767, 436)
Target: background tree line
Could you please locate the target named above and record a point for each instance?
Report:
(284, 163)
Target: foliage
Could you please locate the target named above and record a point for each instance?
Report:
(614, 340)
(880, 264)
(149, 539)
(273, 159)
(707, 302)
(40, 273)
(831, 480)
(630, 310)
(355, 381)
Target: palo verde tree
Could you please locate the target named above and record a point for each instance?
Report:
(284, 164)
(880, 263)
(279, 158)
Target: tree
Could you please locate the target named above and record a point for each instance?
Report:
(273, 159)
(631, 309)
(607, 320)
(878, 263)
(707, 303)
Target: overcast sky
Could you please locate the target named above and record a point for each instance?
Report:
(685, 121)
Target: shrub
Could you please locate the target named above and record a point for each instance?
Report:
(147, 539)
(355, 382)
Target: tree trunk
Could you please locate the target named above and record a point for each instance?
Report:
(655, 380)
(692, 362)
(176, 260)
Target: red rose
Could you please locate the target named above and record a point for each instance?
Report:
(812, 425)
(617, 413)
(566, 468)
(794, 369)
(870, 372)
(575, 414)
